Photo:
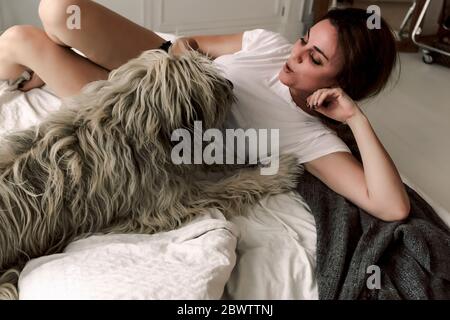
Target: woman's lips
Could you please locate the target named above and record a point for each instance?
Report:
(286, 68)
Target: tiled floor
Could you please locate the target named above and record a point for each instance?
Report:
(412, 119)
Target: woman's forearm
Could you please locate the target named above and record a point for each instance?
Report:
(213, 45)
(384, 185)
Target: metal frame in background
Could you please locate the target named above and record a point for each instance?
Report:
(402, 33)
(426, 49)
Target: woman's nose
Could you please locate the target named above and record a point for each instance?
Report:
(298, 57)
(300, 52)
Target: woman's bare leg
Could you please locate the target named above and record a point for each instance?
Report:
(28, 47)
(9, 70)
(105, 37)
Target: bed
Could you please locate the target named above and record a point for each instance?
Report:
(269, 254)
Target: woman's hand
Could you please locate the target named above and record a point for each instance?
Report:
(34, 82)
(182, 45)
(333, 103)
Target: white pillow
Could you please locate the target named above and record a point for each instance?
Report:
(193, 262)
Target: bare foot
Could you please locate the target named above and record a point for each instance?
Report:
(34, 82)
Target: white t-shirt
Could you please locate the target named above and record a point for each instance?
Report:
(265, 103)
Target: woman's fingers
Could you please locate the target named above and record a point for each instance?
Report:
(317, 98)
(313, 99)
(322, 97)
(34, 82)
(341, 108)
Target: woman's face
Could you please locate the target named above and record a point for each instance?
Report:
(315, 61)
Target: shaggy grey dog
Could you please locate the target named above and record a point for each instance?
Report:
(102, 164)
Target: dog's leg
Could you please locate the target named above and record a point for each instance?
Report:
(233, 195)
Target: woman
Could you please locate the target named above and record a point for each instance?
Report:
(337, 63)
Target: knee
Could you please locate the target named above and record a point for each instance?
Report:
(53, 14)
(21, 38)
(19, 34)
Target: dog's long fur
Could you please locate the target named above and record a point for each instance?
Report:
(102, 163)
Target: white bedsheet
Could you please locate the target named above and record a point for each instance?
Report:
(276, 252)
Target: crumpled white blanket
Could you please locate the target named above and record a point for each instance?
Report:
(19, 110)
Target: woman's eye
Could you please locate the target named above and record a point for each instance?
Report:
(316, 62)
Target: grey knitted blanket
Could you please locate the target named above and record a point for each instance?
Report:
(354, 250)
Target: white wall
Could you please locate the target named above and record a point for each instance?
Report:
(218, 16)
(134, 10)
(185, 16)
(19, 12)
